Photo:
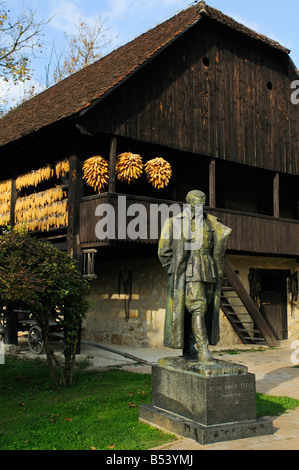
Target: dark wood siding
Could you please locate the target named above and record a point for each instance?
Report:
(260, 234)
(224, 110)
(251, 233)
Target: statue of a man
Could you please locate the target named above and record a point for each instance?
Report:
(195, 268)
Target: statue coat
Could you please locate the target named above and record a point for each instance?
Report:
(173, 257)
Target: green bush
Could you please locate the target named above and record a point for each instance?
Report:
(37, 277)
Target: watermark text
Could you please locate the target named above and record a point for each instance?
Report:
(295, 354)
(2, 353)
(295, 94)
(139, 221)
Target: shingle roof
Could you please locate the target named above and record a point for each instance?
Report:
(78, 91)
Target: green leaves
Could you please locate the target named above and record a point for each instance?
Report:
(36, 277)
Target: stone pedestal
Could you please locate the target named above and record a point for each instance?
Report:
(207, 403)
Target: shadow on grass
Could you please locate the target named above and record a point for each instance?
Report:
(268, 405)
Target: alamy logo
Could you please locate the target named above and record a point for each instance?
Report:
(142, 222)
(2, 354)
(295, 354)
(295, 94)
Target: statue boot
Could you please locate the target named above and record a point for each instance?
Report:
(189, 350)
(201, 338)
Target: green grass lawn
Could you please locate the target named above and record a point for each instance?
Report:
(99, 412)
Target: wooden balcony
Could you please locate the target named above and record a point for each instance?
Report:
(251, 233)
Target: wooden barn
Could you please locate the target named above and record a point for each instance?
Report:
(211, 98)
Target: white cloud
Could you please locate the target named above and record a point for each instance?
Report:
(129, 18)
(12, 94)
(124, 9)
(65, 15)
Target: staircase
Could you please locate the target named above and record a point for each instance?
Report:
(242, 313)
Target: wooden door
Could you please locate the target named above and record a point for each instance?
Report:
(274, 309)
(273, 300)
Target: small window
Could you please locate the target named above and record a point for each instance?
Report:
(270, 86)
(88, 264)
(206, 61)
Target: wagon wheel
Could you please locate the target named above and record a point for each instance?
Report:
(35, 340)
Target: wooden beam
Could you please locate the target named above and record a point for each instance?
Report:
(74, 195)
(112, 163)
(13, 200)
(276, 206)
(212, 183)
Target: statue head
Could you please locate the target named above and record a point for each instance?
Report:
(196, 197)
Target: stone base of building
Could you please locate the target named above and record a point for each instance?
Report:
(202, 403)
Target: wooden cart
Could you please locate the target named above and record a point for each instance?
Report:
(25, 321)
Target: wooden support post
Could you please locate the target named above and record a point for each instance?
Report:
(11, 327)
(13, 200)
(112, 163)
(74, 196)
(276, 208)
(76, 190)
(212, 183)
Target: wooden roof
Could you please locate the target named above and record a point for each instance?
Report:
(94, 82)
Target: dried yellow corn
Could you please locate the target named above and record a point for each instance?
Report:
(34, 177)
(158, 172)
(129, 167)
(62, 168)
(96, 172)
(44, 210)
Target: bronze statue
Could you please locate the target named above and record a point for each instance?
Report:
(195, 270)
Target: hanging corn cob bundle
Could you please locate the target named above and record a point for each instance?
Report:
(34, 178)
(62, 168)
(5, 191)
(5, 187)
(5, 195)
(5, 213)
(5, 207)
(42, 211)
(41, 199)
(129, 167)
(158, 172)
(96, 173)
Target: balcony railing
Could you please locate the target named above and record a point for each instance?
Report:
(251, 233)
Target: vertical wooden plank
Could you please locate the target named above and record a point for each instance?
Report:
(199, 141)
(11, 327)
(212, 183)
(188, 86)
(74, 196)
(166, 128)
(276, 210)
(112, 163)
(13, 200)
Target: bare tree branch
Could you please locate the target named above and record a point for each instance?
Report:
(82, 49)
(20, 39)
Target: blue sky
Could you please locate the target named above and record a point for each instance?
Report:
(127, 19)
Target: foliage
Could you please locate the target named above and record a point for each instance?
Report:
(100, 410)
(18, 36)
(37, 277)
(20, 39)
